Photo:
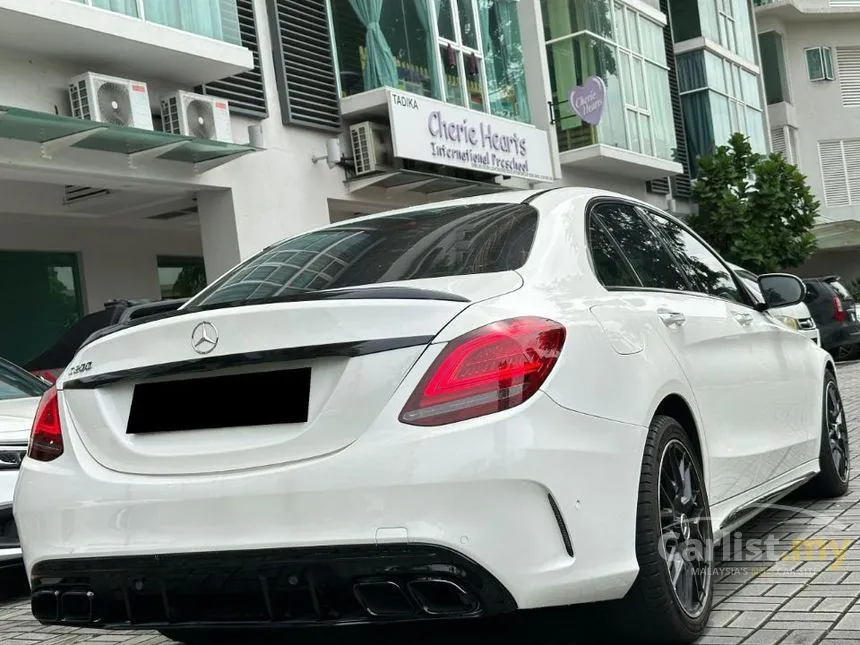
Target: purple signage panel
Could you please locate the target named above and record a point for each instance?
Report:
(587, 100)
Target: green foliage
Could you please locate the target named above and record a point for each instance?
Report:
(756, 211)
(854, 289)
(191, 280)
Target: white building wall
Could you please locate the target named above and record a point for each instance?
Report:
(818, 108)
(115, 261)
(269, 195)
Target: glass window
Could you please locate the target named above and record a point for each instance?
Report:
(610, 266)
(627, 51)
(705, 270)
(465, 52)
(827, 55)
(773, 66)
(48, 300)
(445, 20)
(15, 383)
(819, 64)
(563, 17)
(647, 254)
(181, 277)
(431, 243)
(686, 24)
(217, 19)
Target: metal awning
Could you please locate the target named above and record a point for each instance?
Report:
(56, 133)
(402, 181)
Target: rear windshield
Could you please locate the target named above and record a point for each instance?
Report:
(431, 243)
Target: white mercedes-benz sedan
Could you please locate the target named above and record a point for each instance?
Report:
(19, 396)
(525, 400)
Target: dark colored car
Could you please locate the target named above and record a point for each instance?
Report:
(50, 363)
(835, 313)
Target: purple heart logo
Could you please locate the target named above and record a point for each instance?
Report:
(587, 100)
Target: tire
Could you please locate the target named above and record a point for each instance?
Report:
(653, 608)
(833, 477)
(848, 352)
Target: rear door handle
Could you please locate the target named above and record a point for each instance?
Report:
(744, 319)
(672, 319)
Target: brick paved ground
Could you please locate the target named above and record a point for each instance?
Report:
(801, 597)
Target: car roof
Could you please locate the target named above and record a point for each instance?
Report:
(501, 197)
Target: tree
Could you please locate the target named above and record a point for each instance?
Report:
(191, 281)
(757, 211)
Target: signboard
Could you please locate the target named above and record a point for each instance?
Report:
(431, 131)
(587, 100)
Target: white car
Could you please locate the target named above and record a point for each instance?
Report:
(19, 397)
(797, 316)
(524, 400)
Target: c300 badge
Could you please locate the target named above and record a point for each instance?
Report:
(80, 368)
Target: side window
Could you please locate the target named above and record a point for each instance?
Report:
(611, 267)
(811, 293)
(705, 269)
(652, 262)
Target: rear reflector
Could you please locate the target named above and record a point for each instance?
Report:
(490, 369)
(46, 436)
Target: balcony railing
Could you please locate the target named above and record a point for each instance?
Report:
(218, 19)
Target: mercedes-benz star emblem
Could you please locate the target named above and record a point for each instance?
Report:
(204, 338)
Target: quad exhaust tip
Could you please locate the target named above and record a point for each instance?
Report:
(68, 607)
(431, 596)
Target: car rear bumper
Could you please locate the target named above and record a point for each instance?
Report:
(297, 586)
(541, 499)
(836, 335)
(10, 549)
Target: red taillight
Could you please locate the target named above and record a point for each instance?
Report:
(838, 311)
(46, 437)
(493, 368)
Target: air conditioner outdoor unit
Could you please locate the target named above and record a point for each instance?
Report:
(196, 115)
(371, 147)
(108, 99)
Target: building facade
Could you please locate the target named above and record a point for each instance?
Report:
(811, 65)
(119, 186)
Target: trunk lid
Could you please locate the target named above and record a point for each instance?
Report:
(282, 382)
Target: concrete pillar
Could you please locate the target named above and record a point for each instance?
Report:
(218, 232)
(536, 69)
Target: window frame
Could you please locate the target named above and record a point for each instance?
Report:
(640, 209)
(826, 61)
(620, 12)
(634, 206)
(459, 46)
(597, 220)
(716, 256)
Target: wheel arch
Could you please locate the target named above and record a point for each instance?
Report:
(676, 406)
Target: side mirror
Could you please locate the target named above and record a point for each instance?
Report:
(781, 290)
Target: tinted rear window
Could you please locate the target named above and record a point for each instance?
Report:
(431, 243)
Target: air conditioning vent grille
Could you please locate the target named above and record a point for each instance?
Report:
(361, 152)
(75, 194)
(182, 212)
